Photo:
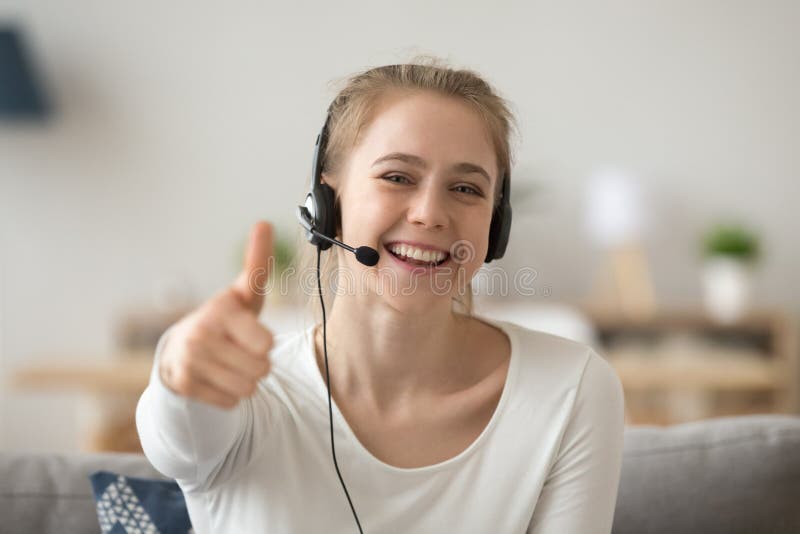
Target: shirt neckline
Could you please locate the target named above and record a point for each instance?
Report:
(341, 422)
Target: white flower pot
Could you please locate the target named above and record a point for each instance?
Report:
(727, 285)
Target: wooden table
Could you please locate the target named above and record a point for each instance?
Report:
(115, 386)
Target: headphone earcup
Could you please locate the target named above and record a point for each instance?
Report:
(499, 231)
(323, 198)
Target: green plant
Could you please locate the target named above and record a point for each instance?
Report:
(284, 252)
(733, 240)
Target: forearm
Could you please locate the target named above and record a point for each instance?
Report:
(183, 438)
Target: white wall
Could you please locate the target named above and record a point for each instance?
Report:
(179, 125)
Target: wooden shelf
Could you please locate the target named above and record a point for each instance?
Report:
(684, 354)
(126, 375)
(718, 376)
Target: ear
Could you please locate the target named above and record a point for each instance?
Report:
(328, 179)
(338, 215)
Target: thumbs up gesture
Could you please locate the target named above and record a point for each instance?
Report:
(219, 352)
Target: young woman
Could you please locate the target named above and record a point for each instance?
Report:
(442, 421)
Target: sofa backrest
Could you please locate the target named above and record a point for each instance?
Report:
(729, 474)
(736, 474)
(49, 493)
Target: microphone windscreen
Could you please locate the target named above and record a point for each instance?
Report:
(366, 255)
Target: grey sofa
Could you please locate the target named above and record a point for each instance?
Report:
(731, 475)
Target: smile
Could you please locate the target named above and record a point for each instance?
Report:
(417, 256)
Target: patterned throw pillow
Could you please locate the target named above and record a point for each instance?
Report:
(128, 505)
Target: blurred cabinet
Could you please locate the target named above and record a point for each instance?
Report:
(680, 365)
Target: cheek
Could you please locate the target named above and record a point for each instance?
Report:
(478, 232)
(375, 207)
(469, 252)
(365, 221)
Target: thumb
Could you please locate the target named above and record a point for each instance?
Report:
(251, 283)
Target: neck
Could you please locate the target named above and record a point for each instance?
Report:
(386, 357)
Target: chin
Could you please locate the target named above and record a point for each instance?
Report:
(419, 303)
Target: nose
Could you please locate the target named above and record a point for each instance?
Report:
(428, 208)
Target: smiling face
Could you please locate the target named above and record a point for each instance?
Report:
(423, 173)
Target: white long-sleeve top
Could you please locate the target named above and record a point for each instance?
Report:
(548, 461)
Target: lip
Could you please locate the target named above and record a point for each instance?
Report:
(417, 269)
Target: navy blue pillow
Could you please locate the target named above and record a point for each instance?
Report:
(127, 505)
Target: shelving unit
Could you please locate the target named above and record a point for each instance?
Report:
(680, 365)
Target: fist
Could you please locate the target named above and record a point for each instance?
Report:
(218, 353)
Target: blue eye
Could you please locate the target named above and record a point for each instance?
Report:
(464, 188)
(472, 189)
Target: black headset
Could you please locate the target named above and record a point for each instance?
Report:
(321, 211)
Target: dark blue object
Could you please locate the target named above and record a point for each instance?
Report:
(130, 504)
(20, 95)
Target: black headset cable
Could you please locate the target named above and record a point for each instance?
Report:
(328, 385)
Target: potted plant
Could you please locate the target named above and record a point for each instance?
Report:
(730, 252)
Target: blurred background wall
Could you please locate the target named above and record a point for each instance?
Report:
(176, 125)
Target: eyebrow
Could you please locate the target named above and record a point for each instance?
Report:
(463, 167)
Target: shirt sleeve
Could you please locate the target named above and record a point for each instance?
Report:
(580, 492)
(183, 438)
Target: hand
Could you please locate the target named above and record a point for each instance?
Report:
(218, 353)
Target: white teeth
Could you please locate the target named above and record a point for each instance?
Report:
(417, 254)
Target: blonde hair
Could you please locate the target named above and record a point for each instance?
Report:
(351, 111)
